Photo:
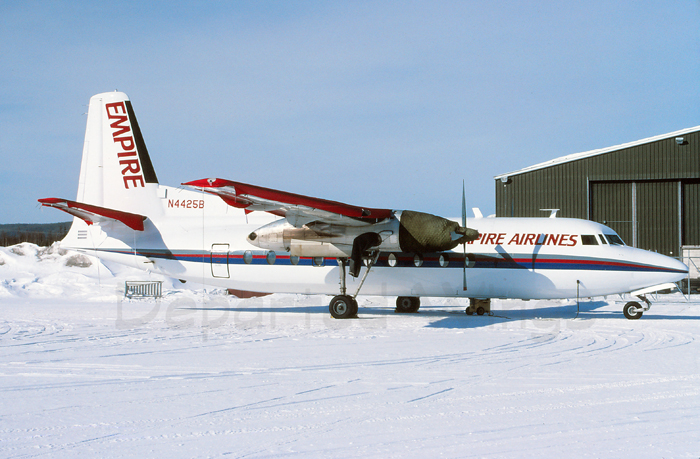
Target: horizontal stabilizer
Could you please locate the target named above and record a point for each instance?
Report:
(95, 214)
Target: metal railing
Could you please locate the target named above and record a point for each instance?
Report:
(143, 289)
(691, 284)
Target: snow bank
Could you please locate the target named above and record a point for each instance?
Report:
(30, 271)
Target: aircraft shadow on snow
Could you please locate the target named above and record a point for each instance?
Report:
(453, 317)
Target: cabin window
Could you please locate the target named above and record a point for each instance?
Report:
(271, 257)
(444, 260)
(470, 260)
(248, 257)
(392, 260)
(602, 239)
(294, 260)
(614, 239)
(318, 261)
(418, 260)
(589, 239)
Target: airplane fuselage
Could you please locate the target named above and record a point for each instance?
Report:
(198, 237)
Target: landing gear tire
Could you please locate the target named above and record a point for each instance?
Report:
(632, 310)
(407, 304)
(355, 307)
(480, 311)
(343, 307)
(469, 312)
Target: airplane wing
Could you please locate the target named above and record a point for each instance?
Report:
(297, 209)
(95, 214)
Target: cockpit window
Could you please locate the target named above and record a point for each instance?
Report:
(602, 239)
(614, 239)
(589, 239)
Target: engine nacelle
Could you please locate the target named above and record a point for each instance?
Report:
(407, 231)
(318, 239)
(423, 233)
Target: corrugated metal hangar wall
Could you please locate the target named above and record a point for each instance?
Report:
(648, 191)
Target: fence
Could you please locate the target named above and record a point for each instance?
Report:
(691, 284)
(143, 289)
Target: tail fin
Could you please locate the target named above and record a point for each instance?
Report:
(116, 170)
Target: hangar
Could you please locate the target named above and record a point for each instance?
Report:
(648, 190)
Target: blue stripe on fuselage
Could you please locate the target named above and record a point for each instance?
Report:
(406, 260)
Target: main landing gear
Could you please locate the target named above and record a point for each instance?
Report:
(407, 304)
(344, 306)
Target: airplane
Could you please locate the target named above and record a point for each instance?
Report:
(257, 240)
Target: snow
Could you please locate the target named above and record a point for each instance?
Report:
(87, 373)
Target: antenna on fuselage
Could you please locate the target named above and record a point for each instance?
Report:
(552, 212)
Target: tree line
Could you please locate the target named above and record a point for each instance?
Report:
(41, 234)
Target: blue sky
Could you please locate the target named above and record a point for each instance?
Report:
(380, 104)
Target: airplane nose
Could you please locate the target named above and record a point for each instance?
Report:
(673, 266)
(681, 266)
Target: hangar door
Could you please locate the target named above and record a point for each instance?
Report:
(645, 214)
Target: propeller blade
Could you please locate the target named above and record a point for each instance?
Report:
(464, 244)
(464, 277)
(464, 207)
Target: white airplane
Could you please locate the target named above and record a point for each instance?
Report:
(254, 239)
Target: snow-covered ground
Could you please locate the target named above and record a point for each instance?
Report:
(86, 373)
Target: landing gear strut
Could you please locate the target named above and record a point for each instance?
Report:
(345, 306)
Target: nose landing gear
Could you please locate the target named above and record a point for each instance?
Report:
(634, 310)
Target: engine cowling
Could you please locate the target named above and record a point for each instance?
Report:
(407, 231)
(420, 232)
(318, 239)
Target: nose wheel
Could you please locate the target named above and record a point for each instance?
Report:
(634, 310)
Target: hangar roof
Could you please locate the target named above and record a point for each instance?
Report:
(600, 151)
